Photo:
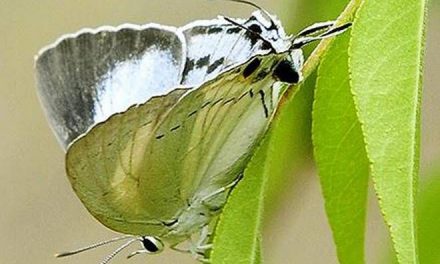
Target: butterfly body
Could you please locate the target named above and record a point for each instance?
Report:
(158, 122)
(203, 138)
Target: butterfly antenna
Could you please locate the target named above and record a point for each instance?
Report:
(302, 40)
(255, 6)
(137, 252)
(118, 250)
(73, 252)
(247, 3)
(315, 28)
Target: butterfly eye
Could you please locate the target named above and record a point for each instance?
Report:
(152, 244)
(285, 71)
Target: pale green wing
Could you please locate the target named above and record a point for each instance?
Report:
(101, 165)
(139, 170)
(212, 132)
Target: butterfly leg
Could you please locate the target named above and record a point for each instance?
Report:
(203, 242)
(196, 254)
(198, 248)
(175, 248)
(202, 246)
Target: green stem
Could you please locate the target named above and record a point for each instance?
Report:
(313, 61)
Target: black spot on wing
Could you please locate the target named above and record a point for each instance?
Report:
(175, 128)
(251, 67)
(203, 61)
(229, 100)
(263, 102)
(215, 65)
(233, 30)
(205, 104)
(217, 101)
(286, 72)
(198, 31)
(253, 37)
(251, 93)
(266, 46)
(189, 65)
(192, 113)
(214, 30)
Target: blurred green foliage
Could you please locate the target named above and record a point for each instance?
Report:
(428, 216)
(429, 219)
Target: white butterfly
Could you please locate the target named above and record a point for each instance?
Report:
(159, 122)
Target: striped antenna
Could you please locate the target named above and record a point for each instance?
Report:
(118, 250)
(303, 39)
(93, 246)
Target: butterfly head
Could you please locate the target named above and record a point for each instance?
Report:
(268, 29)
(289, 69)
(151, 245)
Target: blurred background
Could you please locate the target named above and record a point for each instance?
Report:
(40, 213)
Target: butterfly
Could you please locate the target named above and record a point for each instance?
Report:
(158, 122)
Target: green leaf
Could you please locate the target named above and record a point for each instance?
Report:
(340, 153)
(290, 145)
(292, 139)
(237, 236)
(385, 64)
(238, 233)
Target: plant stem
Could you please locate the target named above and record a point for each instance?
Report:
(313, 61)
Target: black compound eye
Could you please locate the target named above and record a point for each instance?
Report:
(149, 245)
(251, 67)
(286, 72)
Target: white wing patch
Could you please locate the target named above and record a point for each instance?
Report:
(87, 77)
(216, 45)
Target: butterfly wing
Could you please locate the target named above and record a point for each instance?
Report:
(208, 137)
(102, 167)
(211, 46)
(136, 170)
(86, 77)
(217, 44)
(158, 161)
